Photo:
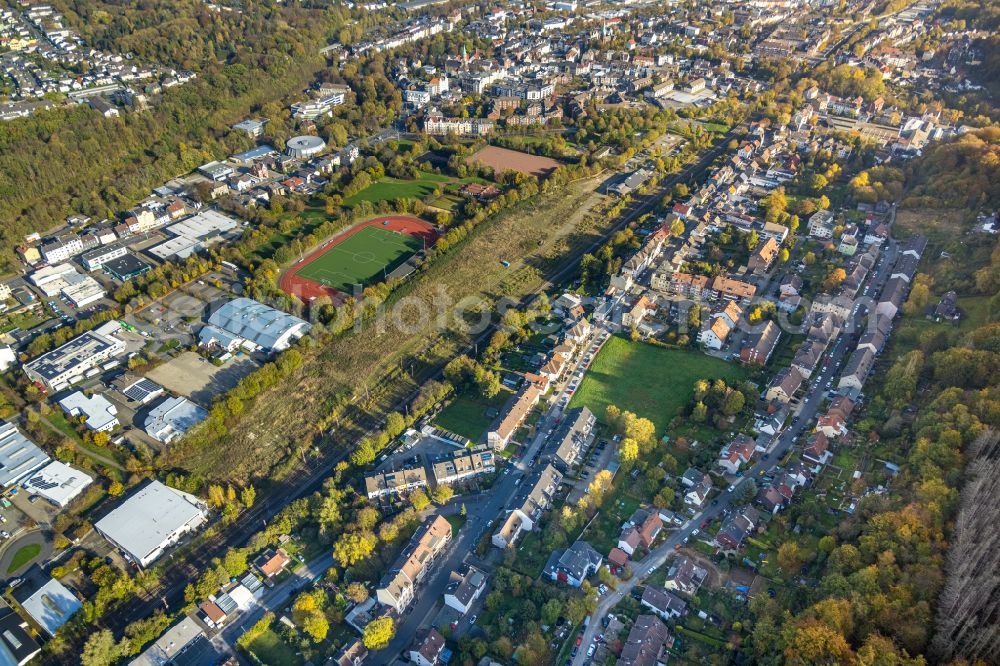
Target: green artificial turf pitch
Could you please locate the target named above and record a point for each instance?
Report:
(362, 258)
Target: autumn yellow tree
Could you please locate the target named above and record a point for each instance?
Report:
(814, 642)
(629, 451)
(378, 633)
(353, 547)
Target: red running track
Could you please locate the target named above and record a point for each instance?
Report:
(306, 290)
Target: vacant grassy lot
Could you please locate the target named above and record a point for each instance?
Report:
(361, 258)
(534, 237)
(271, 650)
(466, 415)
(652, 382)
(389, 189)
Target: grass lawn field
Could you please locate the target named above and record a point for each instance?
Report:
(718, 128)
(652, 382)
(387, 189)
(456, 521)
(466, 415)
(23, 320)
(24, 555)
(270, 649)
(361, 258)
(910, 328)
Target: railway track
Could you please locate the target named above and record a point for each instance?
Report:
(307, 476)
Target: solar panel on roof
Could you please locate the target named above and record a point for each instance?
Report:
(135, 394)
(141, 390)
(251, 582)
(225, 602)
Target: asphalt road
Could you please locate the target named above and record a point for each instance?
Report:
(806, 412)
(484, 512)
(308, 476)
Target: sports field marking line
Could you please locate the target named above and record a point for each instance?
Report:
(400, 243)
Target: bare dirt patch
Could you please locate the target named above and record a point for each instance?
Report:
(504, 159)
(192, 376)
(533, 238)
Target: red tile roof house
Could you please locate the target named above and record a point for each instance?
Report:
(427, 649)
(737, 453)
(834, 422)
(770, 499)
(272, 563)
(213, 614)
(650, 528)
(816, 451)
(831, 425)
(618, 557)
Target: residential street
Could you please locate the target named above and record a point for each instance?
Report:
(277, 596)
(807, 410)
(482, 512)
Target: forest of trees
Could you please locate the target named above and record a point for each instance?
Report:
(72, 160)
(958, 174)
(970, 601)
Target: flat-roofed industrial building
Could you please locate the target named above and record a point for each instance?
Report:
(69, 363)
(152, 520)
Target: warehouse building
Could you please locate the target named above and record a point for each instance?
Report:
(51, 279)
(150, 521)
(58, 483)
(16, 643)
(51, 606)
(64, 279)
(126, 267)
(217, 171)
(19, 456)
(97, 412)
(260, 325)
(184, 644)
(69, 363)
(194, 234)
(172, 418)
(96, 258)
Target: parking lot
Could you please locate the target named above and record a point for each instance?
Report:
(22, 522)
(581, 361)
(429, 447)
(593, 461)
(181, 313)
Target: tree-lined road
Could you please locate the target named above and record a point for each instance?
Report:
(806, 412)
